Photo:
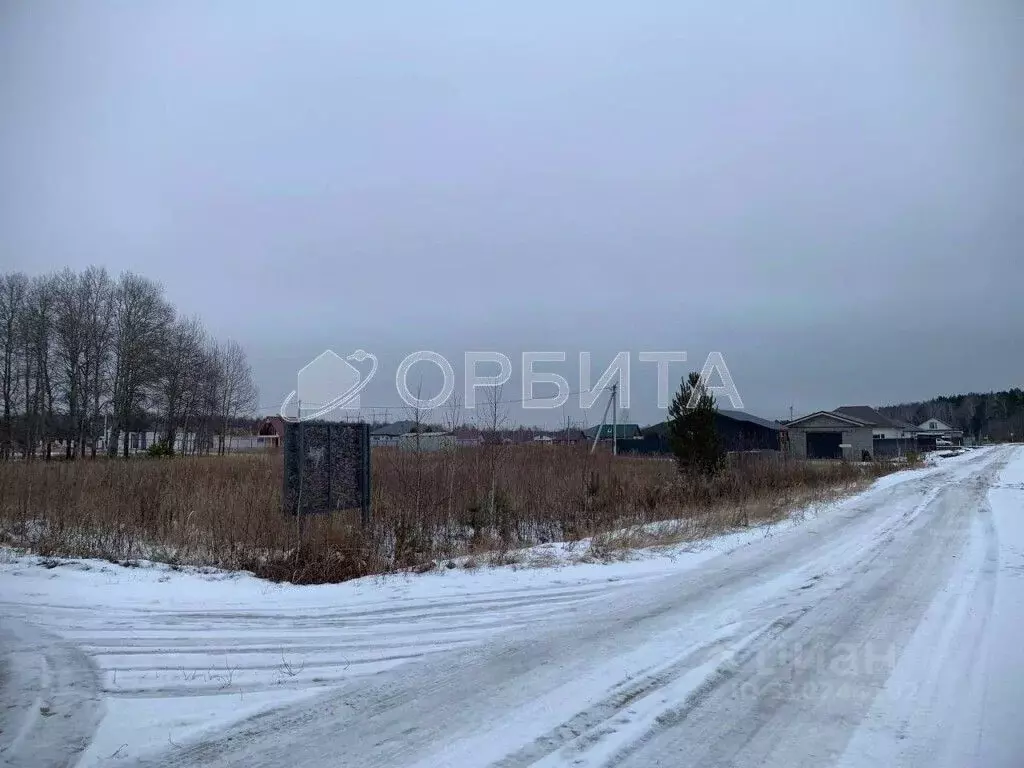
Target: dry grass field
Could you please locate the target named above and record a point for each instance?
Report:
(484, 502)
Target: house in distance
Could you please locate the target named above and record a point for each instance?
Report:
(740, 432)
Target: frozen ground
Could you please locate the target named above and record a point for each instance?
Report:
(882, 630)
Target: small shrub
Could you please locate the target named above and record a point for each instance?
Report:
(160, 450)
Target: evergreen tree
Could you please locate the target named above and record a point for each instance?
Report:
(692, 434)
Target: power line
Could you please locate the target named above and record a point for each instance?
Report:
(400, 406)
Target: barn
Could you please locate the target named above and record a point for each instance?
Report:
(739, 431)
(830, 435)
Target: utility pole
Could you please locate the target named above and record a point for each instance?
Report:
(600, 427)
(613, 403)
(300, 523)
(615, 419)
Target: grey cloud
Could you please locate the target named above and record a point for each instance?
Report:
(829, 195)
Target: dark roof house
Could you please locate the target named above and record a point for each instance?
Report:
(751, 418)
(875, 418)
(739, 430)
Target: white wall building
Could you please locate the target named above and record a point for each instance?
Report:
(140, 442)
(427, 441)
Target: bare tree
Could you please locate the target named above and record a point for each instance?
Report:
(77, 347)
(96, 375)
(141, 319)
(453, 413)
(196, 400)
(207, 398)
(36, 335)
(181, 364)
(237, 393)
(452, 421)
(493, 414)
(70, 321)
(493, 419)
(13, 291)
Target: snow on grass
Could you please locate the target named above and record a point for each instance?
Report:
(183, 650)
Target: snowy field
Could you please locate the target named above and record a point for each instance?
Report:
(880, 630)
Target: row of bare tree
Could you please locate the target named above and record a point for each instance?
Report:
(82, 349)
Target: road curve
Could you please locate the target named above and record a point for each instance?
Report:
(51, 702)
(806, 649)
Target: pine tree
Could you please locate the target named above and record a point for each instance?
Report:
(692, 434)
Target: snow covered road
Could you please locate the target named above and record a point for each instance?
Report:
(884, 630)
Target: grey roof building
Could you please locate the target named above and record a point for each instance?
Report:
(851, 432)
(750, 419)
(830, 435)
(875, 418)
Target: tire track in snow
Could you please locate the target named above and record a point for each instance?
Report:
(702, 669)
(799, 703)
(52, 703)
(147, 653)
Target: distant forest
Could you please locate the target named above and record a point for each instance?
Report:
(993, 415)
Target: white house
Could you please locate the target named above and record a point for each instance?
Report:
(942, 432)
(391, 434)
(894, 433)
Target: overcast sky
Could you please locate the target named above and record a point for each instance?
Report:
(829, 193)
